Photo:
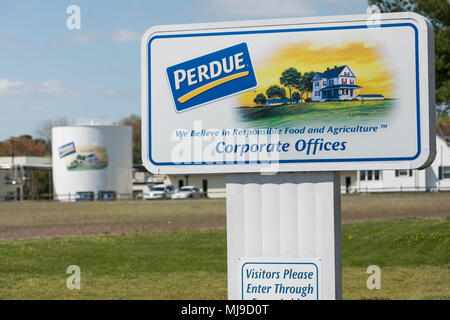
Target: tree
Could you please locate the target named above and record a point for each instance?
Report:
(296, 96)
(275, 91)
(290, 78)
(438, 12)
(135, 122)
(306, 83)
(44, 130)
(260, 99)
(23, 146)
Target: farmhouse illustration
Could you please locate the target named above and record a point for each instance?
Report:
(338, 84)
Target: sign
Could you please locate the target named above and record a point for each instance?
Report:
(280, 279)
(310, 94)
(66, 150)
(211, 77)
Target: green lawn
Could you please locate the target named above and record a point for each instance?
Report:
(315, 112)
(413, 255)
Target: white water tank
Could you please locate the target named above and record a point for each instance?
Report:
(92, 158)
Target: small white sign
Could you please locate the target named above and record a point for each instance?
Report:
(280, 279)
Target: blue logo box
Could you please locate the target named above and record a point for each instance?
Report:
(211, 77)
(66, 149)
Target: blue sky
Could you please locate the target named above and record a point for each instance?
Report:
(48, 71)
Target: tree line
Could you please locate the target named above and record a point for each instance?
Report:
(41, 146)
(438, 12)
(297, 85)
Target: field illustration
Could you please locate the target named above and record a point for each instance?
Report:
(315, 112)
(298, 86)
(87, 158)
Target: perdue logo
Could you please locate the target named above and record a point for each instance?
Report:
(211, 77)
(66, 149)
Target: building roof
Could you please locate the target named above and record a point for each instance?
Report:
(333, 73)
(26, 162)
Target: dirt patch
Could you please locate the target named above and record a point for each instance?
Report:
(22, 220)
(396, 205)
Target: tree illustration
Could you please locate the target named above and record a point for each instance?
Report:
(296, 96)
(305, 84)
(290, 78)
(275, 91)
(260, 99)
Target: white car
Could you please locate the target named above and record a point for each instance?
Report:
(187, 192)
(160, 191)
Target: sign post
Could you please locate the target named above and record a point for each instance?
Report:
(291, 217)
(281, 107)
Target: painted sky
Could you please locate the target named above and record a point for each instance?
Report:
(48, 71)
(364, 60)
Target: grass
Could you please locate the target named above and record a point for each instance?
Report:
(149, 265)
(45, 219)
(310, 112)
(413, 255)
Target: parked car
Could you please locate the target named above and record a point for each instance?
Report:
(84, 196)
(160, 191)
(106, 195)
(188, 192)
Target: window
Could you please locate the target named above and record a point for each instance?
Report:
(345, 91)
(444, 172)
(403, 173)
(369, 175)
(331, 82)
(377, 174)
(362, 175)
(324, 83)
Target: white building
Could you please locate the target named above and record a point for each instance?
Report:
(334, 84)
(143, 181)
(438, 174)
(213, 185)
(92, 160)
(435, 177)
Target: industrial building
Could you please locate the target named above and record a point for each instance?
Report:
(434, 178)
(18, 173)
(98, 159)
(92, 160)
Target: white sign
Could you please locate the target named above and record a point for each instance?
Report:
(309, 94)
(280, 279)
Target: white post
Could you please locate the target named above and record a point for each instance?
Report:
(287, 215)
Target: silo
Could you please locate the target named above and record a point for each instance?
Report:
(91, 159)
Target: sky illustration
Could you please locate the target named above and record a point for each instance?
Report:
(363, 59)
